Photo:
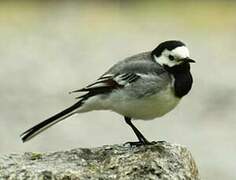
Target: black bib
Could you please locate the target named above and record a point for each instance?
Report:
(183, 78)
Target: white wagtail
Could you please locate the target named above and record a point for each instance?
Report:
(143, 86)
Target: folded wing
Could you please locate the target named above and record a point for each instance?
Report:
(106, 84)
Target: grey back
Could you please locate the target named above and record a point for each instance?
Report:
(139, 63)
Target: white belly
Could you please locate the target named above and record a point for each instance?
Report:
(148, 107)
(144, 108)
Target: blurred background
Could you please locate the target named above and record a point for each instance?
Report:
(49, 48)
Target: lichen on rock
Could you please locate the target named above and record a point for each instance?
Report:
(159, 161)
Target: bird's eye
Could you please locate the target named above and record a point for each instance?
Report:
(171, 57)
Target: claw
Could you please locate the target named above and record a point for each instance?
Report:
(134, 144)
(140, 143)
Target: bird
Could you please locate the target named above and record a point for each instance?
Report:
(143, 86)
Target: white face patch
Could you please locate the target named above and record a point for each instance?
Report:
(177, 53)
(181, 52)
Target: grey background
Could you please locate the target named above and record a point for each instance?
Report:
(48, 49)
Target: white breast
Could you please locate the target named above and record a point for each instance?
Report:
(145, 108)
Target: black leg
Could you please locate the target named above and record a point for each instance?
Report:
(141, 138)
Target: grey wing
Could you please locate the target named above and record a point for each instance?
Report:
(137, 75)
(106, 84)
(148, 84)
(140, 63)
(152, 76)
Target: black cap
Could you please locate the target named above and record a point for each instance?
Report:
(169, 45)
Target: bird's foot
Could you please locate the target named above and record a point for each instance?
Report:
(160, 142)
(140, 143)
(134, 144)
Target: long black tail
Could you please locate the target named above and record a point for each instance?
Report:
(30, 133)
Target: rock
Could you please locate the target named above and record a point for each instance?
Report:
(159, 161)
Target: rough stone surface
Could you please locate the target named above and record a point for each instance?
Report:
(160, 161)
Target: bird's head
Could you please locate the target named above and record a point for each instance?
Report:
(171, 53)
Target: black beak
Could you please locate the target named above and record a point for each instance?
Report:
(188, 60)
